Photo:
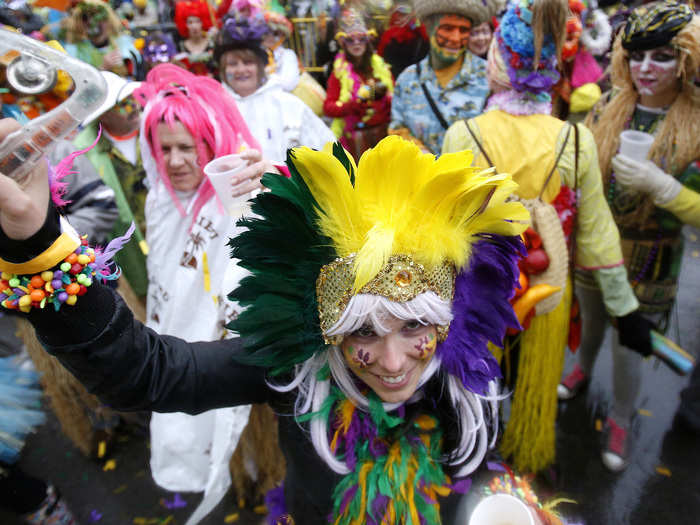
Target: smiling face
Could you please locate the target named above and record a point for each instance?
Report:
(179, 156)
(654, 73)
(392, 364)
(480, 39)
(241, 71)
(449, 37)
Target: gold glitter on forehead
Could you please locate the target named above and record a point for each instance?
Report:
(401, 279)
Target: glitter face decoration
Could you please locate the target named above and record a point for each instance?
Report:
(450, 37)
(391, 364)
(654, 71)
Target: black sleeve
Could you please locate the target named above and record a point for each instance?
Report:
(130, 367)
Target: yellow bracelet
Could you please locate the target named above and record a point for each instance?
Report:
(66, 243)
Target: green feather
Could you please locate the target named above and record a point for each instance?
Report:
(284, 252)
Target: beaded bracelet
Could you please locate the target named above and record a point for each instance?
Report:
(62, 285)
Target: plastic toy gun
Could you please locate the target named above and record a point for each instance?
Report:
(32, 69)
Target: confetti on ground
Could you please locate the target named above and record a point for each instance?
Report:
(696, 253)
(693, 237)
(260, 509)
(598, 425)
(140, 473)
(241, 503)
(120, 489)
(231, 518)
(110, 465)
(95, 516)
(147, 521)
(644, 412)
(85, 476)
(663, 471)
(176, 503)
(166, 520)
(69, 454)
(101, 449)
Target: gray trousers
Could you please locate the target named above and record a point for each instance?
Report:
(626, 362)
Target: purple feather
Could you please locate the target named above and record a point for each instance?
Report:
(244, 30)
(482, 311)
(103, 257)
(61, 170)
(276, 506)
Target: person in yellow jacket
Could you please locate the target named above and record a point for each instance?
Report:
(655, 61)
(554, 163)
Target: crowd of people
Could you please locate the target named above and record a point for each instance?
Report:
(428, 213)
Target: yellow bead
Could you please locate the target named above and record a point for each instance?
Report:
(72, 299)
(48, 287)
(25, 300)
(6, 276)
(47, 276)
(83, 259)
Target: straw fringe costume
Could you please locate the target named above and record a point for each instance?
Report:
(321, 241)
(518, 136)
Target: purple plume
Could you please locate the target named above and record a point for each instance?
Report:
(482, 311)
(276, 506)
(103, 257)
(245, 29)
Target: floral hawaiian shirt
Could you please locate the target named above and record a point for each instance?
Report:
(463, 98)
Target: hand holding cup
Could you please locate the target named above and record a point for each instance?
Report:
(23, 206)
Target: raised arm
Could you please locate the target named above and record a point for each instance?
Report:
(97, 339)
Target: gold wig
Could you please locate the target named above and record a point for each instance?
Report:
(677, 142)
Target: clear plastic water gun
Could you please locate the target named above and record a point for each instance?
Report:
(32, 68)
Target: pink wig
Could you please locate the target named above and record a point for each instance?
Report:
(171, 94)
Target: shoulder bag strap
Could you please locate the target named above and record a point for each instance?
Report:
(556, 162)
(476, 140)
(431, 102)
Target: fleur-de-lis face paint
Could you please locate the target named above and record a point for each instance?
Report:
(357, 356)
(426, 346)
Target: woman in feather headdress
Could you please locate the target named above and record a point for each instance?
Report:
(373, 292)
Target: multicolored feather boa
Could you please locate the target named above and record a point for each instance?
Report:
(350, 83)
(396, 475)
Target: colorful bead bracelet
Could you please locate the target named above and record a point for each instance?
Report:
(62, 285)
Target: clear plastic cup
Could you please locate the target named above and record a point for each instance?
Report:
(220, 172)
(501, 509)
(635, 144)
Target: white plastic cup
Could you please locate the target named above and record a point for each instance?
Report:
(501, 509)
(635, 144)
(220, 172)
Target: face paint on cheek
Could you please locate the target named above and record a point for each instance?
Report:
(357, 356)
(426, 346)
(652, 77)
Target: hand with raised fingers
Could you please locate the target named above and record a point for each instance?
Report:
(248, 179)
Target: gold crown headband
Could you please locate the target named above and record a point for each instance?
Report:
(400, 280)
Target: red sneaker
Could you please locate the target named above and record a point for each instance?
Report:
(615, 453)
(572, 384)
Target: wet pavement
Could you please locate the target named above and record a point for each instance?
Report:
(660, 487)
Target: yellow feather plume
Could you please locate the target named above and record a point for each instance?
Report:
(407, 202)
